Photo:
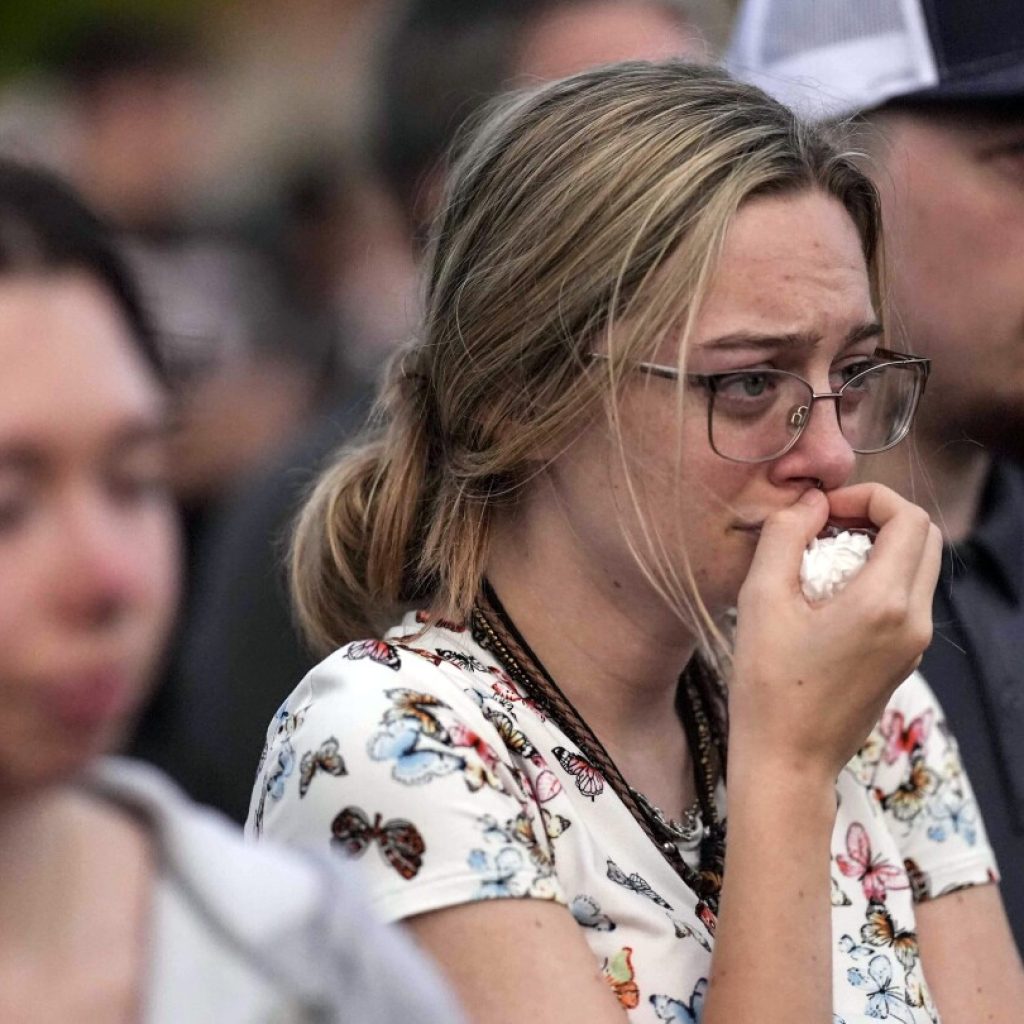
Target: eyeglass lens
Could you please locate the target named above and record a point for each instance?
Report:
(756, 415)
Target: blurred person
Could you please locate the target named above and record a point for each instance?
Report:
(938, 90)
(144, 108)
(122, 901)
(241, 646)
(652, 353)
(443, 60)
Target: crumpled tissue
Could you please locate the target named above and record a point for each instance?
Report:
(829, 563)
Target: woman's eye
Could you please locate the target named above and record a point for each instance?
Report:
(14, 511)
(132, 487)
(744, 385)
(844, 374)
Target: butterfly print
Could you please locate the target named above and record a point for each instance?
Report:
(325, 759)
(505, 690)
(838, 897)
(546, 786)
(706, 916)
(617, 971)
(420, 707)
(281, 772)
(379, 651)
(477, 773)
(875, 874)
(515, 739)
(500, 873)
(954, 815)
(460, 660)
(684, 931)
(589, 781)
(884, 999)
(635, 883)
(588, 914)
(919, 886)
(400, 742)
(400, 841)
(287, 722)
(522, 830)
(852, 948)
(903, 739)
(434, 659)
(880, 930)
(676, 1012)
(908, 800)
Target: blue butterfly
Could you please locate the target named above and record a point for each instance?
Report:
(499, 871)
(954, 816)
(588, 914)
(398, 741)
(277, 775)
(676, 1012)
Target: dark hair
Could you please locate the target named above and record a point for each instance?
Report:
(441, 62)
(45, 227)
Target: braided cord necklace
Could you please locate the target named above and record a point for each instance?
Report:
(494, 631)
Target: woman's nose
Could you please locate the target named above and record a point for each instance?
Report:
(103, 575)
(821, 452)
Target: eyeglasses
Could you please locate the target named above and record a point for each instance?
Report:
(758, 415)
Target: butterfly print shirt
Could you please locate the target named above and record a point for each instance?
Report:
(417, 755)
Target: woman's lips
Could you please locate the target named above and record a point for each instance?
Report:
(86, 700)
(831, 529)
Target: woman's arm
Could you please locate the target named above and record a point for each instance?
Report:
(970, 960)
(511, 961)
(808, 685)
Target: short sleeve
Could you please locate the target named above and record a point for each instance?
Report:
(926, 796)
(383, 756)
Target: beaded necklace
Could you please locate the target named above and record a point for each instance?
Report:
(493, 630)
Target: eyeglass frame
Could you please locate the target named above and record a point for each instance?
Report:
(709, 381)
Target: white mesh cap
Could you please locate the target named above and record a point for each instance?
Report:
(830, 58)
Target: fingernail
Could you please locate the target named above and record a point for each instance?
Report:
(810, 496)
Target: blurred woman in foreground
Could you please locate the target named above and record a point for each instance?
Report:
(122, 902)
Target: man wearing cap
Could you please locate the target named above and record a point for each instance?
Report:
(940, 85)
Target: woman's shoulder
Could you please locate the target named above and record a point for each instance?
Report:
(280, 924)
(417, 670)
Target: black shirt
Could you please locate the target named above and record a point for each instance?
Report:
(975, 665)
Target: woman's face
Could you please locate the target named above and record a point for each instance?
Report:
(88, 538)
(791, 292)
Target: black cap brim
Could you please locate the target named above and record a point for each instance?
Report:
(999, 84)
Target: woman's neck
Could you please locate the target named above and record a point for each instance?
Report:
(601, 640)
(59, 849)
(39, 835)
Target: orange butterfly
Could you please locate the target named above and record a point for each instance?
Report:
(907, 801)
(617, 970)
(419, 706)
(881, 930)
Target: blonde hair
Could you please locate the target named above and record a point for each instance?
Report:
(557, 226)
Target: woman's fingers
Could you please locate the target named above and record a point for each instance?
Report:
(784, 536)
(900, 543)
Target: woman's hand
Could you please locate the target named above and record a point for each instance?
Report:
(811, 681)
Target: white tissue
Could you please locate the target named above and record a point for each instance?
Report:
(831, 562)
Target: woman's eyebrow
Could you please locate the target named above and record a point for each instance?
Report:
(793, 340)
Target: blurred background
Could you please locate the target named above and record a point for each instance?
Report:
(271, 167)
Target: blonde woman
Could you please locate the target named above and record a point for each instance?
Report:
(652, 352)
